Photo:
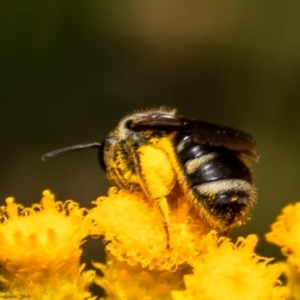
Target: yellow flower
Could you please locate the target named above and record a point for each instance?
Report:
(135, 234)
(198, 265)
(126, 282)
(285, 233)
(40, 249)
(232, 272)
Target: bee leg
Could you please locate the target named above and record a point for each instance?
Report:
(156, 178)
(163, 209)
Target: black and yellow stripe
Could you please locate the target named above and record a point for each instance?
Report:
(219, 178)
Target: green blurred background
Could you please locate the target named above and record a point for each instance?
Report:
(70, 70)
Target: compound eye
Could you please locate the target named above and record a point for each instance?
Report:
(105, 151)
(101, 155)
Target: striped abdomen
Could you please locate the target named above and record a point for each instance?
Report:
(220, 180)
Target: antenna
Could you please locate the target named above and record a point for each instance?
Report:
(66, 150)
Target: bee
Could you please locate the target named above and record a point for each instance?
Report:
(158, 151)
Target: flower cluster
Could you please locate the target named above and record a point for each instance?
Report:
(41, 248)
(197, 265)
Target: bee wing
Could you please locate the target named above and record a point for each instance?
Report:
(201, 132)
(155, 121)
(223, 136)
